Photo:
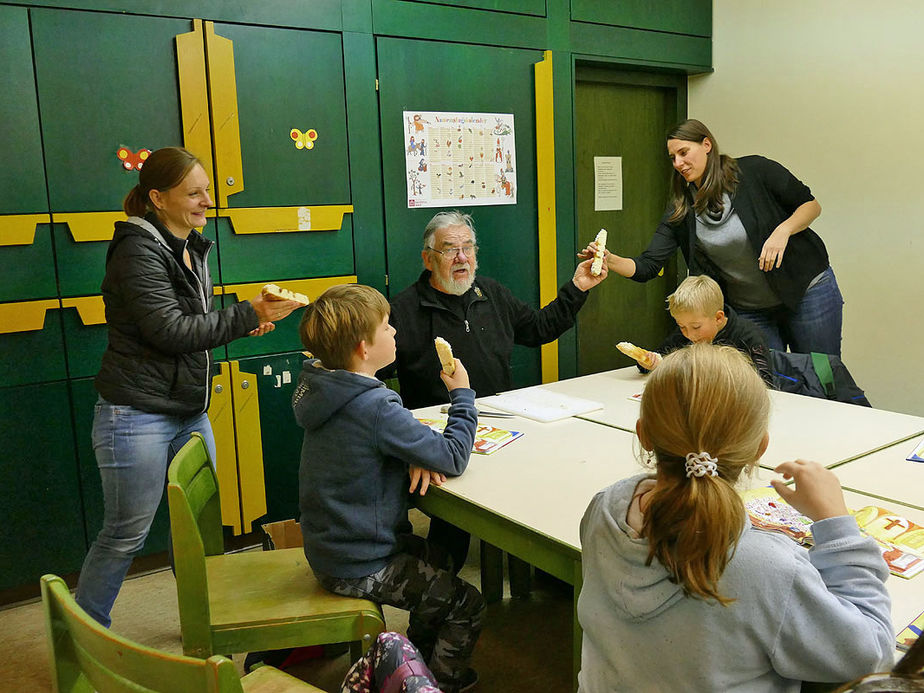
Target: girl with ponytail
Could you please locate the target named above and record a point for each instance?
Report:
(681, 593)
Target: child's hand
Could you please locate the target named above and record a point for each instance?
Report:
(817, 493)
(457, 379)
(424, 477)
(651, 361)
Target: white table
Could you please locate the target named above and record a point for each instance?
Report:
(808, 427)
(886, 474)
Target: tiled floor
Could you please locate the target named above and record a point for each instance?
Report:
(525, 646)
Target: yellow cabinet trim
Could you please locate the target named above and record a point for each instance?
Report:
(194, 102)
(19, 229)
(226, 131)
(312, 288)
(286, 219)
(91, 309)
(221, 415)
(545, 198)
(249, 439)
(89, 226)
(25, 316)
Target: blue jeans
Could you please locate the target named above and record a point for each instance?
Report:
(815, 325)
(133, 449)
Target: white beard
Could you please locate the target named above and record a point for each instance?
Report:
(457, 287)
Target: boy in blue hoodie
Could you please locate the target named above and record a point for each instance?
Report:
(359, 449)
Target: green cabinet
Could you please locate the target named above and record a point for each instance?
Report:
(41, 520)
(436, 76)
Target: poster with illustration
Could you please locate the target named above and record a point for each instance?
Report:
(459, 159)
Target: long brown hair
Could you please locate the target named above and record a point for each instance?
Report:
(720, 176)
(164, 169)
(703, 398)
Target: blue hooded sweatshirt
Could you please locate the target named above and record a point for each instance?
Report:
(353, 477)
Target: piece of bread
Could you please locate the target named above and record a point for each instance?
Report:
(444, 351)
(276, 293)
(597, 265)
(637, 353)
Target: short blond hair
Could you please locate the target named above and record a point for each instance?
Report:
(698, 294)
(702, 398)
(340, 318)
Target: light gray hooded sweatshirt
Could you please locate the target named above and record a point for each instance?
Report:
(817, 615)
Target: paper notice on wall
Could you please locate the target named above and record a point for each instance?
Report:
(459, 159)
(607, 183)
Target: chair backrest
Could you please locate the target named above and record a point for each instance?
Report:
(85, 656)
(196, 532)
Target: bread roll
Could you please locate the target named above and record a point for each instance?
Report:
(276, 293)
(637, 353)
(597, 265)
(444, 351)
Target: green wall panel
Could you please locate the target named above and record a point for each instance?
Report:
(41, 524)
(282, 437)
(678, 16)
(532, 7)
(447, 22)
(289, 79)
(278, 256)
(28, 270)
(22, 176)
(660, 50)
(463, 78)
(104, 80)
(36, 356)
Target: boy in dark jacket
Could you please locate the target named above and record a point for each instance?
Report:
(702, 315)
(360, 445)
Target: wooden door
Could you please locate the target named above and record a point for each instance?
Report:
(625, 115)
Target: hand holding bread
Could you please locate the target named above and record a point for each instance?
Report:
(646, 359)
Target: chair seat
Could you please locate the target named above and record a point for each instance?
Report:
(257, 588)
(272, 680)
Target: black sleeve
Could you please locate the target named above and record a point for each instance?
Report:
(789, 191)
(660, 250)
(534, 328)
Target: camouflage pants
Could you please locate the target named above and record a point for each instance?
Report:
(445, 611)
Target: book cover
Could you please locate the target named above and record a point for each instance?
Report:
(901, 540)
(911, 633)
(488, 439)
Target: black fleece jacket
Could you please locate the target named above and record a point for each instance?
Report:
(482, 326)
(767, 195)
(161, 323)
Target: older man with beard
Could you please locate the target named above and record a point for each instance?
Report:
(480, 318)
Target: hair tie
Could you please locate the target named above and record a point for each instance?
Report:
(701, 464)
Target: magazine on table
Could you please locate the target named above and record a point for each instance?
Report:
(488, 439)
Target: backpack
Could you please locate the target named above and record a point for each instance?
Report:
(392, 665)
(815, 375)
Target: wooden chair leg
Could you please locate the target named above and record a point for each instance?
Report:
(492, 573)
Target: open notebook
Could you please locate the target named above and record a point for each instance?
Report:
(540, 404)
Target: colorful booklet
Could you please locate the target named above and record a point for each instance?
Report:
(917, 455)
(769, 511)
(488, 439)
(900, 540)
(908, 636)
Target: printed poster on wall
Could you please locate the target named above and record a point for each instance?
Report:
(459, 159)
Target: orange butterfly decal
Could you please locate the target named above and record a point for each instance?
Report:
(132, 160)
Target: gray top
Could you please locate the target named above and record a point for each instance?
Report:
(725, 242)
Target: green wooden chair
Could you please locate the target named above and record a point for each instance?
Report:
(86, 657)
(255, 600)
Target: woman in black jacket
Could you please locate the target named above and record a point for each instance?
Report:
(745, 222)
(155, 379)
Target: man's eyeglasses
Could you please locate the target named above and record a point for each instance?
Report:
(469, 249)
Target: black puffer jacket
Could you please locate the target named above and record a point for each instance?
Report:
(161, 323)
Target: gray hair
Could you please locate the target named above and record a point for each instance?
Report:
(444, 220)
